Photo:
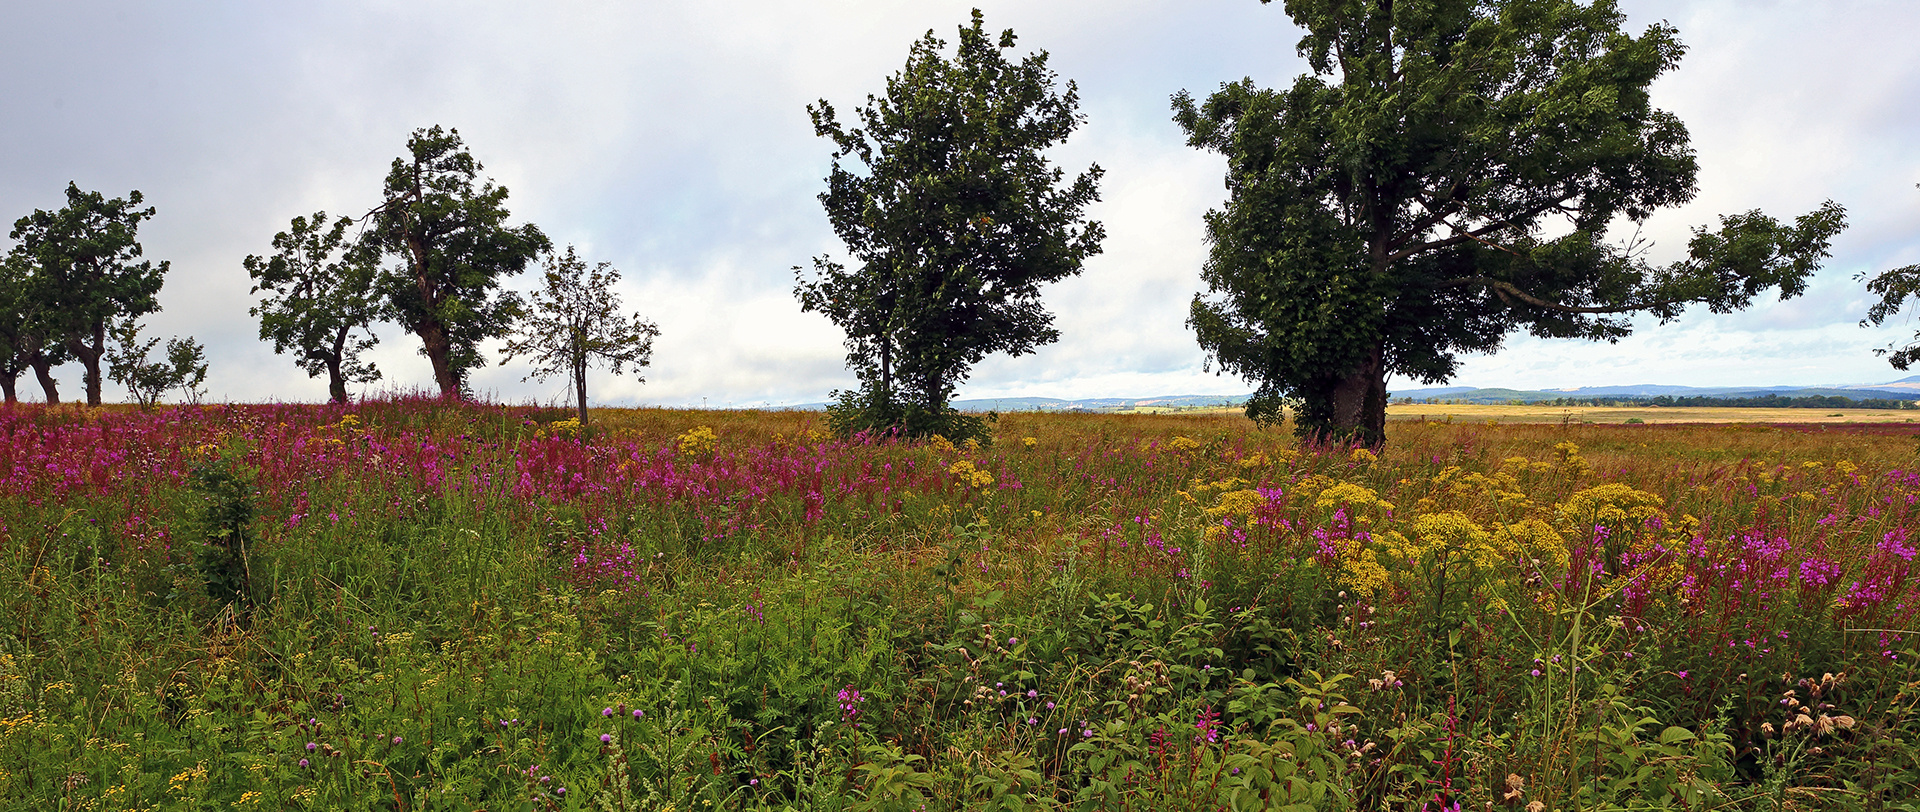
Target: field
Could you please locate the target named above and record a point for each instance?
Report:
(427, 605)
(1543, 413)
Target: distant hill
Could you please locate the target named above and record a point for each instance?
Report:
(1903, 389)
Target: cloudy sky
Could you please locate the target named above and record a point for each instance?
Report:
(670, 138)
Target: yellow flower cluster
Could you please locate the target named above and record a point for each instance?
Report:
(1185, 444)
(697, 442)
(1571, 463)
(1616, 505)
(1238, 504)
(970, 474)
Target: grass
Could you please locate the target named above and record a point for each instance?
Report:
(422, 605)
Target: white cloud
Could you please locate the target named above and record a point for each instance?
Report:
(671, 139)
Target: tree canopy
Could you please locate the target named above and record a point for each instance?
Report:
(454, 249)
(573, 320)
(955, 217)
(1448, 174)
(82, 263)
(320, 289)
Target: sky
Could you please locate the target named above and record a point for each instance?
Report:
(671, 138)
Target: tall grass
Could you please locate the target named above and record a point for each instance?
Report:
(415, 604)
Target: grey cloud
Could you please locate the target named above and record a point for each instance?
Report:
(671, 139)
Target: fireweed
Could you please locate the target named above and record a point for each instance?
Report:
(472, 603)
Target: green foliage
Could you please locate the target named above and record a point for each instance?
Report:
(866, 412)
(453, 248)
(320, 291)
(184, 367)
(81, 260)
(1387, 220)
(956, 220)
(574, 320)
(226, 514)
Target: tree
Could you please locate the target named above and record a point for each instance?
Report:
(453, 250)
(956, 220)
(22, 330)
(321, 289)
(1446, 175)
(83, 256)
(184, 368)
(1894, 287)
(574, 319)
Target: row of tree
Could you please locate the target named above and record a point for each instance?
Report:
(1447, 174)
(430, 255)
(73, 288)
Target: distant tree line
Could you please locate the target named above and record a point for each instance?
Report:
(1754, 402)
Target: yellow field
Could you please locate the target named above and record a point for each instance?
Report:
(1647, 414)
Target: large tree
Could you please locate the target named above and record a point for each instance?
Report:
(1449, 174)
(454, 248)
(573, 321)
(955, 217)
(320, 288)
(83, 260)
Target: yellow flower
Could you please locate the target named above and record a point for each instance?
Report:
(1351, 495)
(1570, 460)
(1029, 442)
(970, 475)
(1241, 503)
(1613, 504)
(1185, 444)
(696, 442)
(1362, 456)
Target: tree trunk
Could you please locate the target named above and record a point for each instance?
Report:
(886, 369)
(432, 331)
(43, 371)
(89, 357)
(336, 383)
(1359, 403)
(580, 391)
(433, 337)
(7, 381)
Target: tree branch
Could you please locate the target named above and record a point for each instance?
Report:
(1507, 291)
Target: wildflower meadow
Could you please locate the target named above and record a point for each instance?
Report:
(417, 604)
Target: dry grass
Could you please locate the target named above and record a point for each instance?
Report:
(1542, 413)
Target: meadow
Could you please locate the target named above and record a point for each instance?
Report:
(424, 605)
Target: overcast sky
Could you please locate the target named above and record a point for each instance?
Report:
(671, 139)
